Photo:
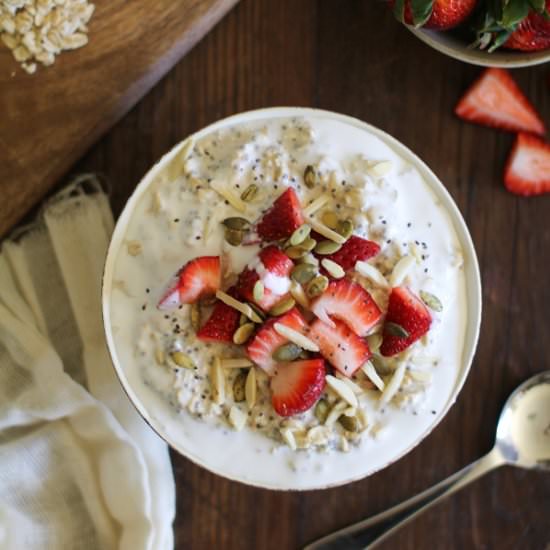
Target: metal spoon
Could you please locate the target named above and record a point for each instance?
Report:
(523, 439)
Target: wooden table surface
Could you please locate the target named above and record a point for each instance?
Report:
(352, 57)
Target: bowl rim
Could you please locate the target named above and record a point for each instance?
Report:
(502, 59)
(472, 282)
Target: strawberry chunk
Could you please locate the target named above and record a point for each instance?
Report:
(297, 386)
(267, 340)
(221, 325)
(353, 250)
(532, 34)
(349, 302)
(340, 346)
(528, 166)
(282, 219)
(409, 312)
(198, 278)
(273, 269)
(496, 100)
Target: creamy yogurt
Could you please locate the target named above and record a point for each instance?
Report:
(175, 216)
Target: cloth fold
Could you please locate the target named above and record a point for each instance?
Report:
(79, 468)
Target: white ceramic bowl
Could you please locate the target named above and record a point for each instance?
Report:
(229, 453)
(453, 47)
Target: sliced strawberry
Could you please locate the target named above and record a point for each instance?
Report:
(297, 386)
(528, 166)
(340, 346)
(436, 14)
(282, 219)
(353, 250)
(532, 34)
(349, 302)
(410, 313)
(197, 278)
(267, 340)
(221, 325)
(273, 269)
(495, 100)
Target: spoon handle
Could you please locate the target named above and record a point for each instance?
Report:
(369, 532)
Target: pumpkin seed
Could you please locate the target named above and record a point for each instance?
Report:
(287, 352)
(374, 341)
(236, 223)
(258, 291)
(258, 311)
(316, 286)
(303, 273)
(345, 228)
(249, 193)
(433, 302)
(243, 333)
(283, 306)
(327, 247)
(195, 316)
(395, 330)
(234, 237)
(300, 235)
(243, 320)
(321, 410)
(308, 244)
(333, 269)
(182, 360)
(303, 355)
(239, 387)
(310, 178)
(349, 423)
(330, 219)
(296, 252)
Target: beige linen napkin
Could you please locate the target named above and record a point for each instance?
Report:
(79, 469)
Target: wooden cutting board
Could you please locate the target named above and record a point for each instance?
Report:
(49, 119)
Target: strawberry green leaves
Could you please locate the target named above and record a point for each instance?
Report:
(421, 11)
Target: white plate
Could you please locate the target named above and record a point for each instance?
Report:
(230, 453)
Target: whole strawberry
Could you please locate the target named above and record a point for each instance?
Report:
(433, 14)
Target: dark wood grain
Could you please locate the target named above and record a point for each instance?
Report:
(49, 119)
(352, 57)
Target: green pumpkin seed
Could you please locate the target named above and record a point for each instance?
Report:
(258, 291)
(333, 269)
(237, 223)
(195, 316)
(304, 354)
(234, 237)
(300, 235)
(330, 219)
(321, 410)
(310, 178)
(433, 302)
(182, 360)
(296, 252)
(243, 333)
(287, 352)
(316, 286)
(243, 320)
(259, 312)
(395, 330)
(249, 193)
(345, 228)
(374, 341)
(308, 244)
(327, 247)
(303, 273)
(283, 306)
(349, 423)
(238, 387)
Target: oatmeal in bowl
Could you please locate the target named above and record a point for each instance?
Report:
(291, 299)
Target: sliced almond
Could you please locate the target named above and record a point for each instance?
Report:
(299, 294)
(237, 418)
(421, 376)
(370, 272)
(318, 435)
(393, 385)
(226, 194)
(296, 337)
(356, 389)
(335, 413)
(373, 376)
(217, 378)
(317, 204)
(380, 168)
(342, 389)
(334, 269)
(322, 229)
(239, 306)
(288, 438)
(401, 270)
(374, 341)
(238, 363)
(250, 388)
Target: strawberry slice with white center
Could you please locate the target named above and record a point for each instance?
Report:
(349, 302)
(528, 167)
(267, 339)
(340, 346)
(282, 219)
(412, 318)
(198, 278)
(272, 268)
(297, 386)
(353, 250)
(222, 323)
